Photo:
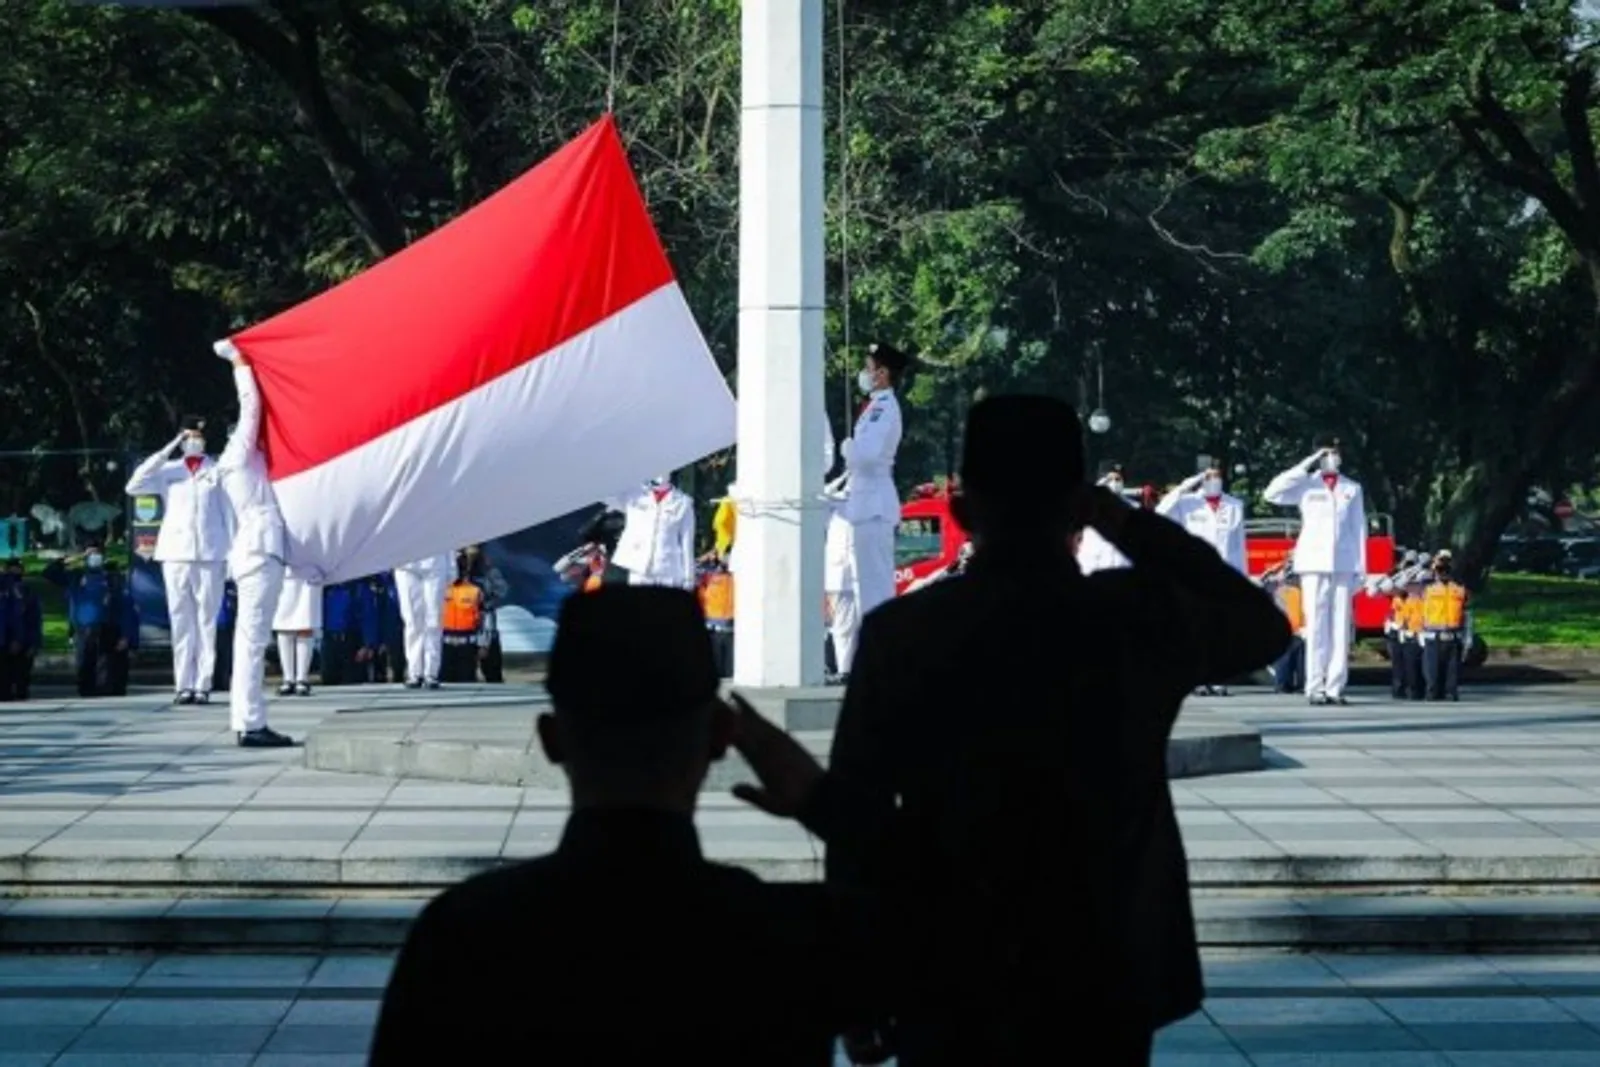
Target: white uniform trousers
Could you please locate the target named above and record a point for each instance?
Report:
(422, 611)
(252, 629)
(1327, 600)
(839, 568)
(872, 562)
(194, 597)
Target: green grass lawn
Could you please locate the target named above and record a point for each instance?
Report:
(1525, 609)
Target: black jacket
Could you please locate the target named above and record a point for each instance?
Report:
(624, 946)
(999, 767)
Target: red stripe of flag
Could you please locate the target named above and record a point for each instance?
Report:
(553, 254)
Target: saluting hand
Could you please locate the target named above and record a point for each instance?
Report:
(788, 774)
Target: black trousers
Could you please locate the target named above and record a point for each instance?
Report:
(493, 663)
(1289, 673)
(1397, 665)
(389, 661)
(1411, 655)
(101, 667)
(16, 674)
(222, 677)
(1441, 667)
(722, 650)
(460, 660)
(338, 658)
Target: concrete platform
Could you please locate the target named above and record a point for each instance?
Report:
(494, 744)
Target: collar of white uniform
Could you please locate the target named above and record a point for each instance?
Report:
(879, 394)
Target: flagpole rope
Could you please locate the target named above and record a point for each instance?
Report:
(616, 33)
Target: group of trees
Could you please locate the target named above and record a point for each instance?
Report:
(1239, 222)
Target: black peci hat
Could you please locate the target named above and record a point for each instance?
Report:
(1109, 466)
(890, 357)
(632, 655)
(1014, 445)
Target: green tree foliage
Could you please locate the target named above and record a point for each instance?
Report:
(1236, 222)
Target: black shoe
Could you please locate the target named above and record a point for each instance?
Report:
(266, 737)
(203, 697)
(433, 683)
(413, 683)
(184, 697)
(1339, 700)
(286, 689)
(301, 689)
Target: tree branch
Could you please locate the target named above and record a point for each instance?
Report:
(296, 62)
(1577, 89)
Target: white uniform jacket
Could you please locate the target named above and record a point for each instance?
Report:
(196, 519)
(1333, 521)
(869, 460)
(242, 472)
(1221, 527)
(657, 542)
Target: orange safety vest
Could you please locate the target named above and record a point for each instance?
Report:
(716, 597)
(1411, 615)
(463, 608)
(1444, 607)
(591, 583)
(1293, 608)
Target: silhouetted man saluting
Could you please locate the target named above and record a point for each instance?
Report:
(1034, 854)
(625, 946)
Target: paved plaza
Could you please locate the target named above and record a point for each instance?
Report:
(1264, 1011)
(1504, 786)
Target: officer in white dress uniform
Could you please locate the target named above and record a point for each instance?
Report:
(872, 506)
(298, 618)
(1200, 506)
(1330, 557)
(657, 542)
(420, 586)
(192, 548)
(1094, 552)
(255, 560)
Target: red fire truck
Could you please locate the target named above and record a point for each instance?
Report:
(929, 539)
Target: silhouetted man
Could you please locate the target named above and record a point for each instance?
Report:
(1020, 772)
(624, 946)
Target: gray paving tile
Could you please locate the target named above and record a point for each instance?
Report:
(198, 1039)
(1229, 1012)
(156, 1011)
(1186, 1059)
(1417, 972)
(308, 1059)
(1523, 1058)
(1512, 1036)
(1474, 1010)
(1255, 1040)
(28, 1037)
(201, 972)
(51, 1011)
(321, 1039)
(352, 972)
(1194, 1039)
(44, 972)
(333, 1013)
(153, 1059)
(1350, 1059)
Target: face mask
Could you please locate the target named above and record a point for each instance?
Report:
(1330, 463)
(95, 560)
(865, 382)
(1211, 487)
(194, 446)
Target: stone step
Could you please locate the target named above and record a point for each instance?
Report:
(1420, 923)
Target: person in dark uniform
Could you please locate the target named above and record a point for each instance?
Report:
(222, 677)
(101, 619)
(601, 953)
(366, 610)
(21, 632)
(491, 660)
(1041, 860)
(389, 656)
(605, 530)
(341, 634)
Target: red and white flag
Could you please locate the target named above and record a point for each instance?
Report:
(527, 359)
